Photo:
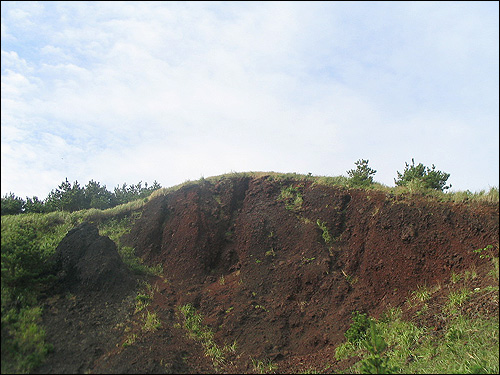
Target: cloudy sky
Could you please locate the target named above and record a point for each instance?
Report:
(173, 91)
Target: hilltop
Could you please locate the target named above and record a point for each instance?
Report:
(262, 273)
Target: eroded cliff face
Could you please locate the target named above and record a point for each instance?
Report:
(281, 273)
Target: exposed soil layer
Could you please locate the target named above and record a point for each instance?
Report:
(278, 274)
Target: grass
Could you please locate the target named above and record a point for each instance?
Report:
(204, 334)
(151, 322)
(422, 293)
(466, 343)
(264, 366)
(144, 298)
(25, 345)
(292, 198)
(326, 235)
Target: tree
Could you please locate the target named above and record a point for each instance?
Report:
(422, 176)
(66, 197)
(97, 196)
(126, 193)
(362, 175)
(12, 205)
(34, 205)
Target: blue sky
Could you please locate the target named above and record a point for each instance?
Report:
(173, 91)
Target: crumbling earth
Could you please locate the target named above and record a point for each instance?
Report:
(278, 274)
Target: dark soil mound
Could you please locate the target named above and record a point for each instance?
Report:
(86, 261)
(93, 296)
(280, 274)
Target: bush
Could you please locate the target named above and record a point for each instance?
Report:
(361, 176)
(423, 177)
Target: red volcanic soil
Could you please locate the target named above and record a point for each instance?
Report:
(262, 272)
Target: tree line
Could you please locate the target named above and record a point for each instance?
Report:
(73, 197)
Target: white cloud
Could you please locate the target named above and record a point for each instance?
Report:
(122, 92)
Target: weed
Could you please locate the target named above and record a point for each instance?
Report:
(422, 293)
(261, 307)
(130, 340)
(351, 280)
(489, 253)
(307, 260)
(292, 198)
(264, 367)
(193, 324)
(222, 281)
(485, 252)
(270, 253)
(141, 302)
(455, 277)
(326, 235)
(151, 322)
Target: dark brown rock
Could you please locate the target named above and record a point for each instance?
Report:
(86, 260)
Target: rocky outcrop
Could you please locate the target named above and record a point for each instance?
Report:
(84, 260)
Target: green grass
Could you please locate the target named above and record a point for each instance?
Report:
(292, 198)
(264, 366)
(151, 321)
(465, 344)
(192, 322)
(326, 235)
(25, 346)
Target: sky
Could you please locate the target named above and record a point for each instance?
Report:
(122, 92)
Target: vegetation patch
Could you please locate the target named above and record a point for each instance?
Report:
(391, 344)
(292, 198)
(203, 334)
(325, 234)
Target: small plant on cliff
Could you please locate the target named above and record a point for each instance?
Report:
(377, 362)
(359, 327)
(326, 235)
(263, 367)
(197, 331)
(362, 176)
(422, 177)
(292, 198)
(151, 322)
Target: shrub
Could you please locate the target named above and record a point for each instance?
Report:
(359, 327)
(377, 362)
(423, 177)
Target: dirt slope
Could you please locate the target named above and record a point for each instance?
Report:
(263, 273)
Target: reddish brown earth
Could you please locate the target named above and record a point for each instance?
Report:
(262, 275)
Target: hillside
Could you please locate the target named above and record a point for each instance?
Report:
(262, 274)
